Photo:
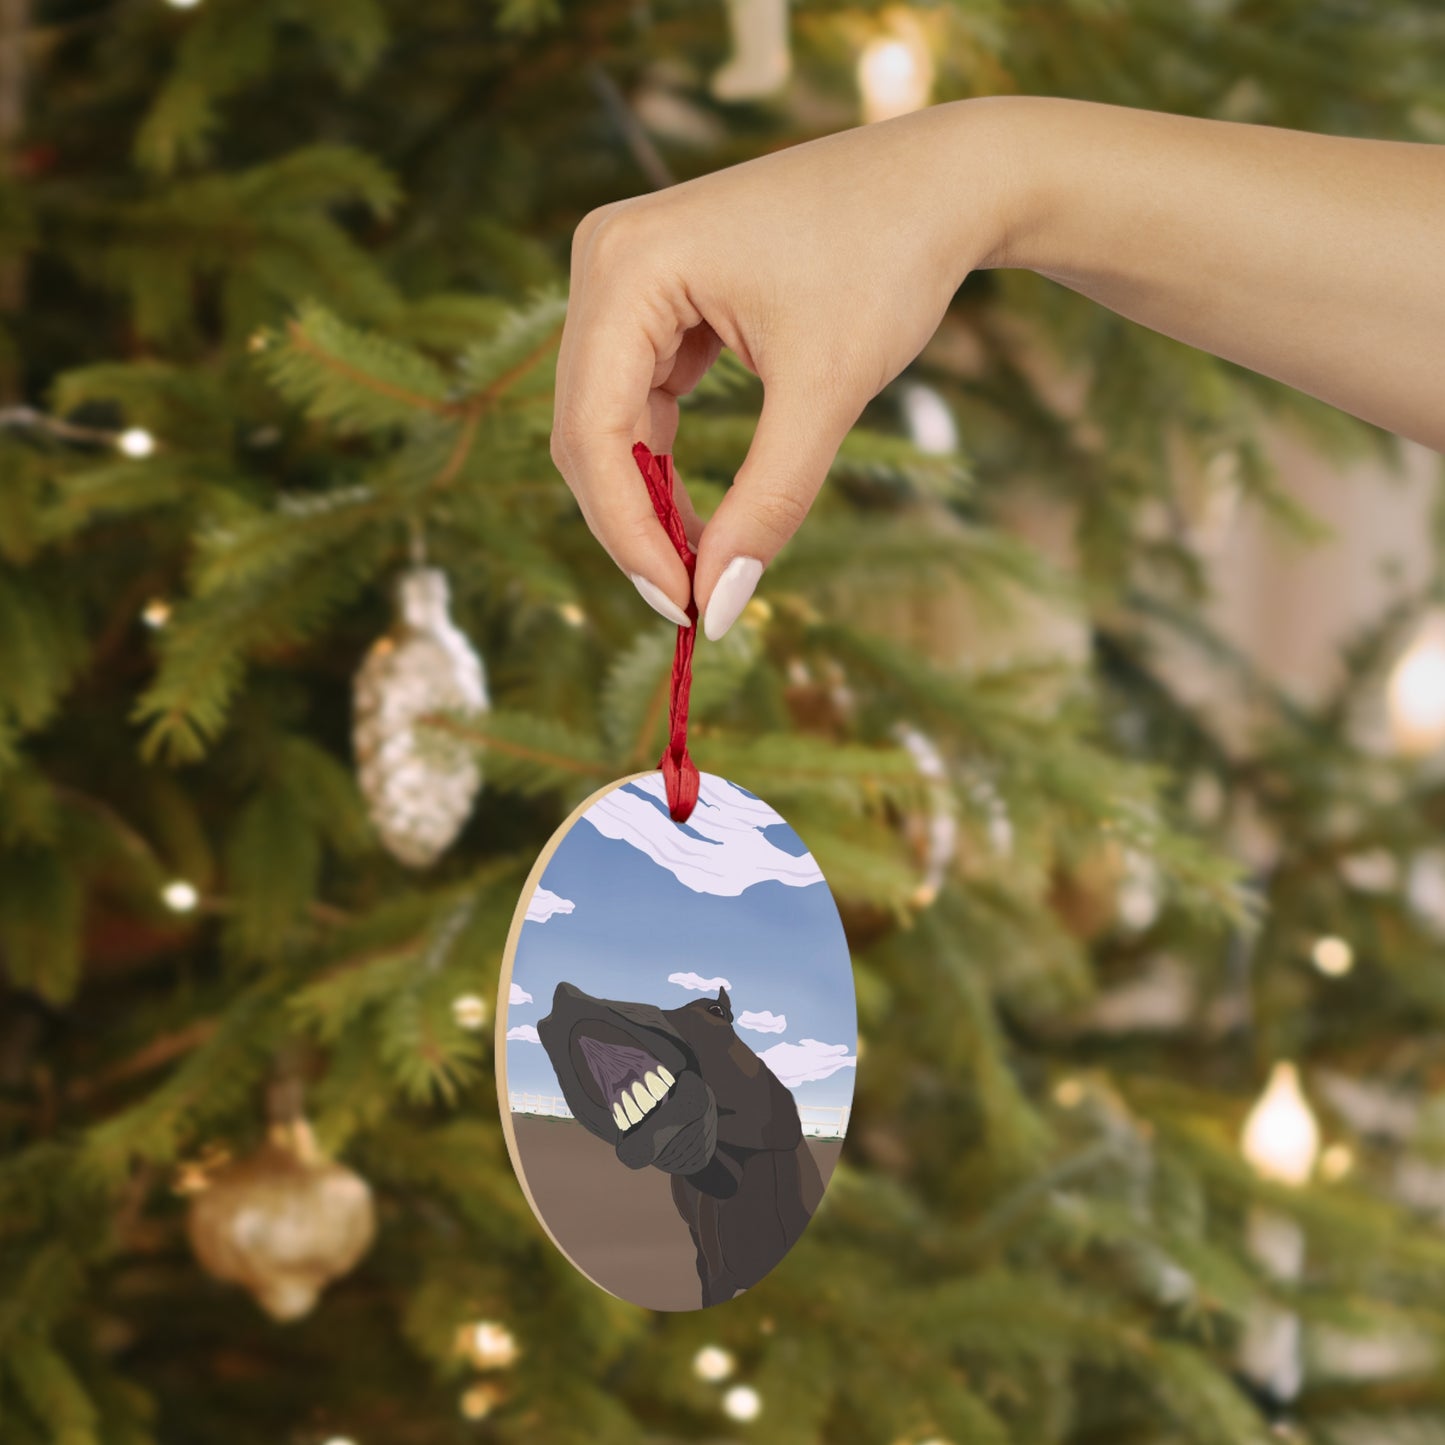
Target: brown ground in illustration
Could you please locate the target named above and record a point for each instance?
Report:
(618, 1224)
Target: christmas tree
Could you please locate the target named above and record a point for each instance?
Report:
(281, 284)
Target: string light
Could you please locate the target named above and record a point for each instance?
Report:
(477, 1402)
(340, 1440)
(180, 896)
(1415, 694)
(183, 4)
(571, 614)
(743, 1403)
(713, 1363)
(895, 71)
(1068, 1093)
(135, 441)
(1337, 1161)
(490, 1345)
(470, 1011)
(156, 612)
(1333, 956)
(1281, 1137)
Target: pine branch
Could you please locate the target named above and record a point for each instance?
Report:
(527, 754)
(357, 381)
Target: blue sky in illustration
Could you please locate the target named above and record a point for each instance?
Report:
(634, 921)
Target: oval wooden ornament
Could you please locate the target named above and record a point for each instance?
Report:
(676, 1041)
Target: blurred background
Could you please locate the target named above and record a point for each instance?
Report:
(1106, 682)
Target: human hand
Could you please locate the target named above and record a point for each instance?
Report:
(825, 268)
(1312, 259)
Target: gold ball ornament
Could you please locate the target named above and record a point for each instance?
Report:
(419, 785)
(283, 1222)
(1104, 889)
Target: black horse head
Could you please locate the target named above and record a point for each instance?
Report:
(666, 1086)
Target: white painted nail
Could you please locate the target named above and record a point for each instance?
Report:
(659, 601)
(731, 595)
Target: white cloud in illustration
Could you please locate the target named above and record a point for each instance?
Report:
(763, 1022)
(807, 1061)
(720, 850)
(545, 903)
(519, 995)
(524, 1034)
(697, 982)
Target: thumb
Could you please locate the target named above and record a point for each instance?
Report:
(797, 437)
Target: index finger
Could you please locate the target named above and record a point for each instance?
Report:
(614, 343)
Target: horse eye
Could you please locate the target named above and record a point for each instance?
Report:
(714, 1009)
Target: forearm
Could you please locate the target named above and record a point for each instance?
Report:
(1313, 259)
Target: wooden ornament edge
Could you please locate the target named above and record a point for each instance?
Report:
(504, 989)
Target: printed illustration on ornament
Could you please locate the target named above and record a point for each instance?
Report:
(680, 1042)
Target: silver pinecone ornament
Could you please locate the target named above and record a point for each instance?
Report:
(419, 784)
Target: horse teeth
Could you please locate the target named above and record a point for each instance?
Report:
(655, 1086)
(620, 1116)
(645, 1101)
(666, 1076)
(633, 1112)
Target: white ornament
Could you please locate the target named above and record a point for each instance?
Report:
(761, 59)
(936, 834)
(930, 423)
(419, 784)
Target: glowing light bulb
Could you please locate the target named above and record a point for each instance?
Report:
(895, 74)
(340, 1440)
(156, 612)
(492, 1346)
(930, 424)
(571, 614)
(183, 4)
(135, 441)
(1337, 1161)
(180, 896)
(1415, 694)
(1281, 1137)
(1333, 956)
(470, 1011)
(742, 1402)
(713, 1363)
(1068, 1093)
(476, 1403)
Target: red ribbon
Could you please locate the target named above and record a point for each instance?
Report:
(679, 771)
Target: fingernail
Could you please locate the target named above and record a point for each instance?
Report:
(730, 596)
(659, 601)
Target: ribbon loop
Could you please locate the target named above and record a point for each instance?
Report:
(679, 772)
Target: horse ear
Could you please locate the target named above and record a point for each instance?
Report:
(723, 999)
